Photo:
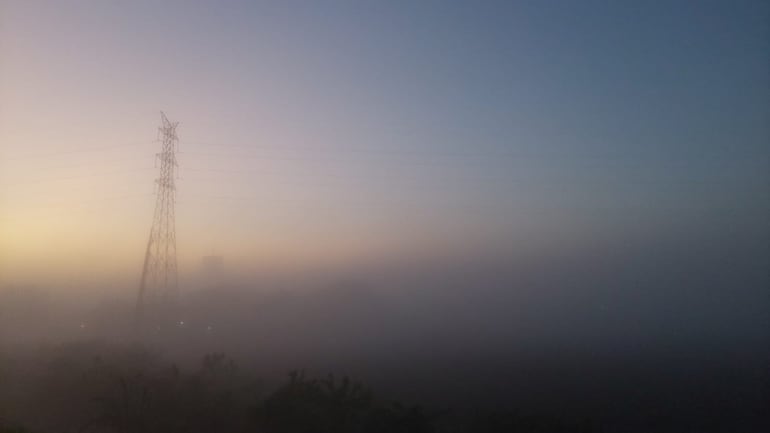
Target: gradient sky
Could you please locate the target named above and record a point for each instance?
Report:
(325, 132)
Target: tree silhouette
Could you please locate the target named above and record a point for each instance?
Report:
(327, 405)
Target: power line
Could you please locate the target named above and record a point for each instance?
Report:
(373, 203)
(85, 176)
(318, 158)
(541, 154)
(86, 202)
(76, 164)
(431, 153)
(74, 151)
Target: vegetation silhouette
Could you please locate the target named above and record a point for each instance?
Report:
(101, 387)
(326, 405)
(94, 387)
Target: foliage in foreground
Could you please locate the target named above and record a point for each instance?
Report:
(94, 388)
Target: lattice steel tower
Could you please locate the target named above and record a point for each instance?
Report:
(158, 288)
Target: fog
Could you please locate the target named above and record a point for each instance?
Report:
(669, 325)
(384, 217)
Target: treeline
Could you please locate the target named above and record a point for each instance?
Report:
(98, 387)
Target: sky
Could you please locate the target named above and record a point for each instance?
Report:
(318, 134)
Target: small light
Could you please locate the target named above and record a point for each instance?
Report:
(181, 323)
(82, 326)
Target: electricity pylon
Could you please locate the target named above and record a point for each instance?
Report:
(158, 287)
